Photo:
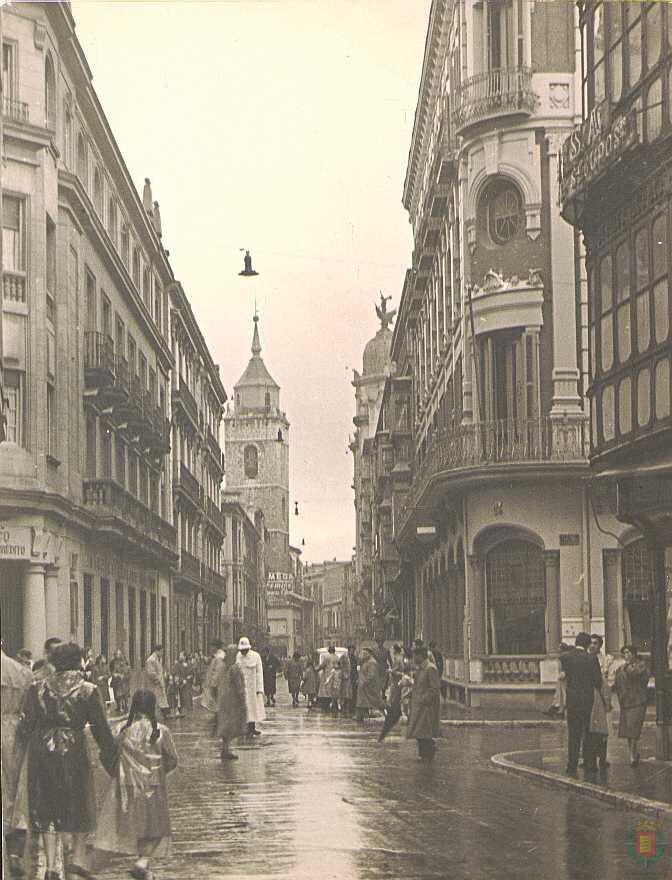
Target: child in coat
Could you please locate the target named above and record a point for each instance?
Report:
(134, 818)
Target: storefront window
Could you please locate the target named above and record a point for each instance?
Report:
(654, 33)
(637, 579)
(516, 584)
(663, 389)
(623, 300)
(644, 397)
(625, 406)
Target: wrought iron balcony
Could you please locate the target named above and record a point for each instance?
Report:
(213, 446)
(183, 397)
(190, 566)
(187, 483)
(215, 515)
(494, 93)
(15, 110)
(98, 359)
(213, 579)
(120, 511)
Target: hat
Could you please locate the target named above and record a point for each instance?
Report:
(244, 643)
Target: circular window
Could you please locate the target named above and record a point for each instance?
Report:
(505, 214)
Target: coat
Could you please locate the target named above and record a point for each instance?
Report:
(121, 672)
(271, 667)
(346, 683)
(154, 680)
(327, 672)
(425, 718)
(231, 707)
(253, 675)
(294, 674)
(61, 794)
(212, 675)
(369, 691)
(135, 807)
(14, 682)
(311, 682)
(631, 685)
(583, 676)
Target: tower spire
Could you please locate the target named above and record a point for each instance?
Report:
(256, 344)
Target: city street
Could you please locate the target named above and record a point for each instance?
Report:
(317, 797)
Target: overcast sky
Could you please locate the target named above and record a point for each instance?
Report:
(282, 126)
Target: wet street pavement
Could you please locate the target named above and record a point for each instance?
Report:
(319, 798)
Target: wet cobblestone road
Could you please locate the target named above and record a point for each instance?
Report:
(316, 797)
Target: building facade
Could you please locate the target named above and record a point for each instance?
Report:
(244, 565)
(89, 540)
(502, 555)
(334, 583)
(616, 189)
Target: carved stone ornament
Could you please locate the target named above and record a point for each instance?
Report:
(471, 236)
(558, 96)
(493, 282)
(39, 35)
(533, 221)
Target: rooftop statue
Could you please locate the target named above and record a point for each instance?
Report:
(384, 316)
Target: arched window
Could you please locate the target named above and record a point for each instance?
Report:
(98, 192)
(49, 93)
(251, 462)
(637, 605)
(503, 205)
(516, 585)
(82, 161)
(112, 219)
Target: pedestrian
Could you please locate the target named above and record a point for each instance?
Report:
(184, 674)
(328, 691)
(61, 795)
(89, 666)
(155, 680)
(583, 677)
(599, 719)
(134, 818)
(121, 674)
(15, 679)
(209, 689)
(231, 709)
(559, 702)
(49, 646)
(310, 684)
(424, 723)
(382, 656)
(440, 666)
(294, 674)
(631, 685)
(368, 686)
(345, 693)
(41, 670)
(393, 707)
(253, 675)
(406, 687)
(101, 676)
(354, 672)
(271, 667)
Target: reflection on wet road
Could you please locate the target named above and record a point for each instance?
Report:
(316, 797)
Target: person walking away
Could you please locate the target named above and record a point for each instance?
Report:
(155, 680)
(393, 708)
(345, 694)
(424, 723)
(134, 818)
(15, 679)
(271, 667)
(121, 672)
(185, 674)
(253, 675)
(631, 685)
(293, 674)
(209, 689)
(172, 696)
(382, 656)
(326, 671)
(61, 795)
(369, 691)
(310, 684)
(231, 709)
(583, 677)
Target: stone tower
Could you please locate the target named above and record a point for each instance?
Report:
(256, 438)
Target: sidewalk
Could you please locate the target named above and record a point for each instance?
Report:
(647, 787)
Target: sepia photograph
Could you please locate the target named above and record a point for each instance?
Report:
(336, 439)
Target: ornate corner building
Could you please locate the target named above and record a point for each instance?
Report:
(489, 541)
(110, 464)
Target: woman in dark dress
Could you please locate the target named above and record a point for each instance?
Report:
(61, 795)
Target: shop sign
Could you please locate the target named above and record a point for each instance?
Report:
(279, 582)
(425, 533)
(592, 148)
(15, 543)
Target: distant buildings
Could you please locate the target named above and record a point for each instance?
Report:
(333, 584)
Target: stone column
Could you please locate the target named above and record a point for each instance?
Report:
(51, 604)
(34, 610)
(476, 604)
(553, 615)
(613, 600)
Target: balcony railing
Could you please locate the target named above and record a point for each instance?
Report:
(182, 395)
(109, 500)
(188, 483)
(215, 514)
(213, 446)
(15, 110)
(213, 578)
(487, 444)
(494, 93)
(98, 358)
(14, 286)
(511, 670)
(190, 566)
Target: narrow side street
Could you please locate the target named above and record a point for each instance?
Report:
(317, 797)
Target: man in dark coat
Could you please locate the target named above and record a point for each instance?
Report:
(271, 666)
(583, 677)
(424, 723)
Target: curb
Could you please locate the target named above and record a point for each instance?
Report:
(621, 799)
(513, 722)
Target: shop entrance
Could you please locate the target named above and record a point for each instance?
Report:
(11, 605)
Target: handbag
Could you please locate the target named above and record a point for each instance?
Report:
(598, 716)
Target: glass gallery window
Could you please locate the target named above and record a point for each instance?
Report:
(516, 597)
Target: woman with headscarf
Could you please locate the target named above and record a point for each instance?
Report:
(61, 796)
(134, 819)
(231, 709)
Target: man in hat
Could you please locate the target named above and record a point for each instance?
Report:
(253, 675)
(424, 723)
(155, 680)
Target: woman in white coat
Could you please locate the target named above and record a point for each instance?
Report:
(253, 675)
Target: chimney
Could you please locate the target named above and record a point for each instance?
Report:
(147, 197)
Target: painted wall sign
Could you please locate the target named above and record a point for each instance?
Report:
(592, 148)
(15, 543)
(569, 540)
